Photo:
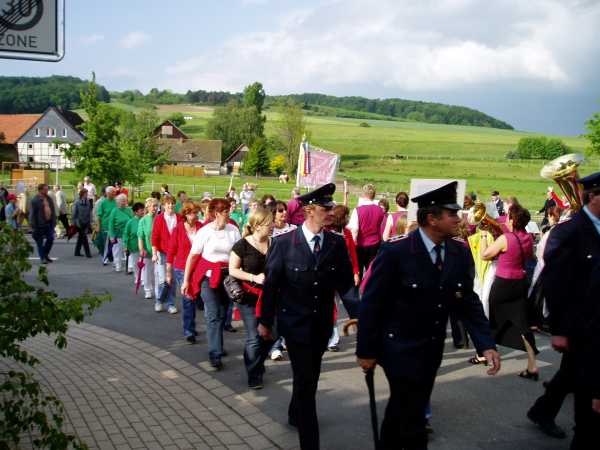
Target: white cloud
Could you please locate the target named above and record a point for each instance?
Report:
(134, 39)
(413, 45)
(92, 39)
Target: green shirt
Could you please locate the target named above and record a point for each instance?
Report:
(103, 213)
(117, 220)
(130, 235)
(239, 218)
(144, 232)
(178, 206)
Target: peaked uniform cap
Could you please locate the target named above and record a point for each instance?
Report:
(591, 181)
(322, 196)
(444, 197)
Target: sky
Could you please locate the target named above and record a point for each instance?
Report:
(534, 64)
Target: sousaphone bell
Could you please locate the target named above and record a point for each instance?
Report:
(563, 171)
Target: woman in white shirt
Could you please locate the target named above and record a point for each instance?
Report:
(204, 269)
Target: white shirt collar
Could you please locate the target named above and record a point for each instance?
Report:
(365, 201)
(309, 235)
(429, 245)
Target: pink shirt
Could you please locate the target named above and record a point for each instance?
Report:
(511, 263)
(369, 223)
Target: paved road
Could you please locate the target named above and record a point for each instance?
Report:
(471, 410)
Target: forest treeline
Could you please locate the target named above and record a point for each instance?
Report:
(34, 95)
(22, 95)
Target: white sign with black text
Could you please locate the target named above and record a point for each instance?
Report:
(32, 29)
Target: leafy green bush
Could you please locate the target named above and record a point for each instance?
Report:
(539, 147)
(364, 125)
(26, 311)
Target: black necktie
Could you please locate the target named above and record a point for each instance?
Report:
(317, 247)
(438, 257)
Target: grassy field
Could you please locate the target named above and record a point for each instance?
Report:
(373, 154)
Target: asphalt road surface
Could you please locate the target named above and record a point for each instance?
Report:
(471, 410)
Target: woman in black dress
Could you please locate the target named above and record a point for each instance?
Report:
(247, 263)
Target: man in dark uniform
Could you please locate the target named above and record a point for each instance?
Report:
(416, 282)
(571, 254)
(304, 269)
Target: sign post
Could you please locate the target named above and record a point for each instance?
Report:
(32, 29)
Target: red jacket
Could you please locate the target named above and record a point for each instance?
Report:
(160, 233)
(352, 250)
(180, 246)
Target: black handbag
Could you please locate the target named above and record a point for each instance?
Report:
(233, 289)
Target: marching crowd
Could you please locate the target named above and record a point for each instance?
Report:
(288, 266)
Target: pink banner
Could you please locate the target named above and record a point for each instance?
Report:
(316, 167)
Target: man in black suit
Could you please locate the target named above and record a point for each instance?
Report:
(304, 269)
(498, 203)
(571, 254)
(416, 282)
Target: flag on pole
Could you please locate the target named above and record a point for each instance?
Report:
(316, 166)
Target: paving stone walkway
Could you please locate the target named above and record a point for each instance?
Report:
(122, 393)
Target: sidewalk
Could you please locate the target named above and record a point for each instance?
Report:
(122, 393)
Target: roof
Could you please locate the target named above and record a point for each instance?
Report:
(157, 130)
(201, 150)
(13, 126)
(72, 117)
(241, 148)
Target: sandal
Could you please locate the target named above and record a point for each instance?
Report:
(476, 360)
(535, 376)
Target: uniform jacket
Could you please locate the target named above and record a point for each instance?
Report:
(299, 288)
(406, 303)
(572, 251)
(591, 353)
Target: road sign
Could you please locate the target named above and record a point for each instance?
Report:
(32, 29)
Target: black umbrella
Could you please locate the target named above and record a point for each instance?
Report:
(373, 405)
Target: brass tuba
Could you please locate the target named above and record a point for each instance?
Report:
(563, 171)
(480, 217)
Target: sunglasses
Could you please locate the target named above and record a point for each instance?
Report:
(281, 210)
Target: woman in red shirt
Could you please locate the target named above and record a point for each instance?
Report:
(341, 216)
(177, 254)
(162, 229)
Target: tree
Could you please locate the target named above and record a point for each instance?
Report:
(278, 164)
(593, 126)
(254, 95)
(177, 119)
(257, 161)
(235, 125)
(290, 130)
(139, 145)
(26, 311)
(99, 155)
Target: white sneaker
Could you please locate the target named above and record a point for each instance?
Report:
(158, 307)
(172, 310)
(148, 295)
(117, 269)
(276, 355)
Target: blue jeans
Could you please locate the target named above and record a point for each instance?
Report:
(188, 306)
(215, 305)
(256, 349)
(44, 238)
(229, 315)
(160, 272)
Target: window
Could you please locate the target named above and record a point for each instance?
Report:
(51, 132)
(30, 146)
(166, 130)
(64, 133)
(37, 132)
